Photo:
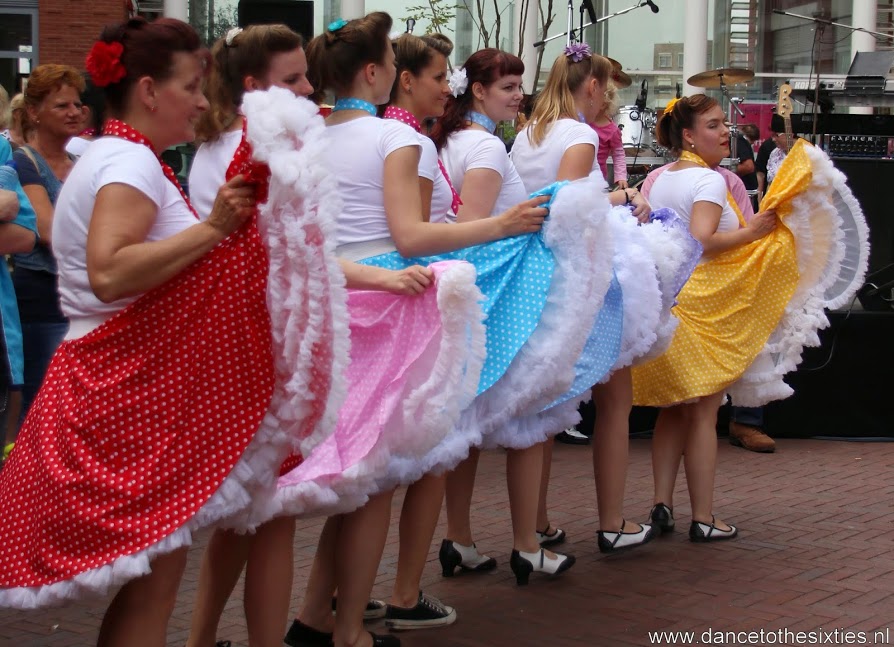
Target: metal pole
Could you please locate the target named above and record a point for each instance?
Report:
(695, 42)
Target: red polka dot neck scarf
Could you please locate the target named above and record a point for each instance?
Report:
(393, 112)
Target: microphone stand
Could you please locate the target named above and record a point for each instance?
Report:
(543, 42)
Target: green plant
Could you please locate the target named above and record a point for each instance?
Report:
(438, 13)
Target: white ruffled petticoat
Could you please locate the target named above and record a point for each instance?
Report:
(832, 256)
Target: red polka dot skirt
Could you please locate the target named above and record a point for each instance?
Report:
(137, 425)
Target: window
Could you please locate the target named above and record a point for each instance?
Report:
(18, 40)
(680, 59)
(664, 60)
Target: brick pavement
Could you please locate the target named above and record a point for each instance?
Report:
(815, 551)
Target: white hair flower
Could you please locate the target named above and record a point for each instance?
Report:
(231, 35)
(458, 82)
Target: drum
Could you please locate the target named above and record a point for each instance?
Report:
(636, 135)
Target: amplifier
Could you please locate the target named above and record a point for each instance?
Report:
(877, 146)
(844, 124)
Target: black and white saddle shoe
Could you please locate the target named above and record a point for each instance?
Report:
(662, 517)
(454, 555)
(523, 564)
(615, 542)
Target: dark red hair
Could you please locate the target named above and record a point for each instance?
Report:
(149, 49)
(486, 66)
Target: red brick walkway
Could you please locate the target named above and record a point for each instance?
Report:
(815, 551)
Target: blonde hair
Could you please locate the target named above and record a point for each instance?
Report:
(17, 115)
(610, 109)
(556, 101)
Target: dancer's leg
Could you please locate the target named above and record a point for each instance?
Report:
(668, 441)
(546, 469)
(317, 610)
(139, 614)
(361, 540)
(418, 519)
(268, 582)
(700, 461)
(221, 567)
(611, 447)
(523, 472)
(460, 486)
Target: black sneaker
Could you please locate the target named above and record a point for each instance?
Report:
(375, 609)
(300, 635)
(428, 613)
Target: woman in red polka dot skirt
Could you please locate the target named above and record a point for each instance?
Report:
(151, 422)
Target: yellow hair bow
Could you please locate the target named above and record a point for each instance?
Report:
(670, 105)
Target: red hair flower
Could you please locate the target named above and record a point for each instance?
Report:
(104, 63)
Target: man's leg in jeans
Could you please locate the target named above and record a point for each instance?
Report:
(746, 430)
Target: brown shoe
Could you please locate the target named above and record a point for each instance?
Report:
(751, 438)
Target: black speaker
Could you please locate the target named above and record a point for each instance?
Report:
(842, 388)
(298, 15)
(868, 179)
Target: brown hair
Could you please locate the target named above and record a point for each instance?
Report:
(249, 54)
(149, 49)
(486, 66)
(414, 53)
(335, 57)
(751, 132)
(44, 80)
(556, 101)
(682, 116)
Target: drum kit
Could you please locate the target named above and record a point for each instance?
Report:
(638, 122)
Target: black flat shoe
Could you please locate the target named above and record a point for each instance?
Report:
(300, 635)
(700, 532)
(615, 542)
(662, 517)
(453, 555)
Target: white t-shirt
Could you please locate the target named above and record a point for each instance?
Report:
(441, 195)
(679, 190)
(538, 166)
(209, 170)
(355, 154)
(471, 149)
(77, 146)
(108, 160)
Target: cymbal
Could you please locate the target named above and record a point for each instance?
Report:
(712, 78)
(620, 79)
(614, 63)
